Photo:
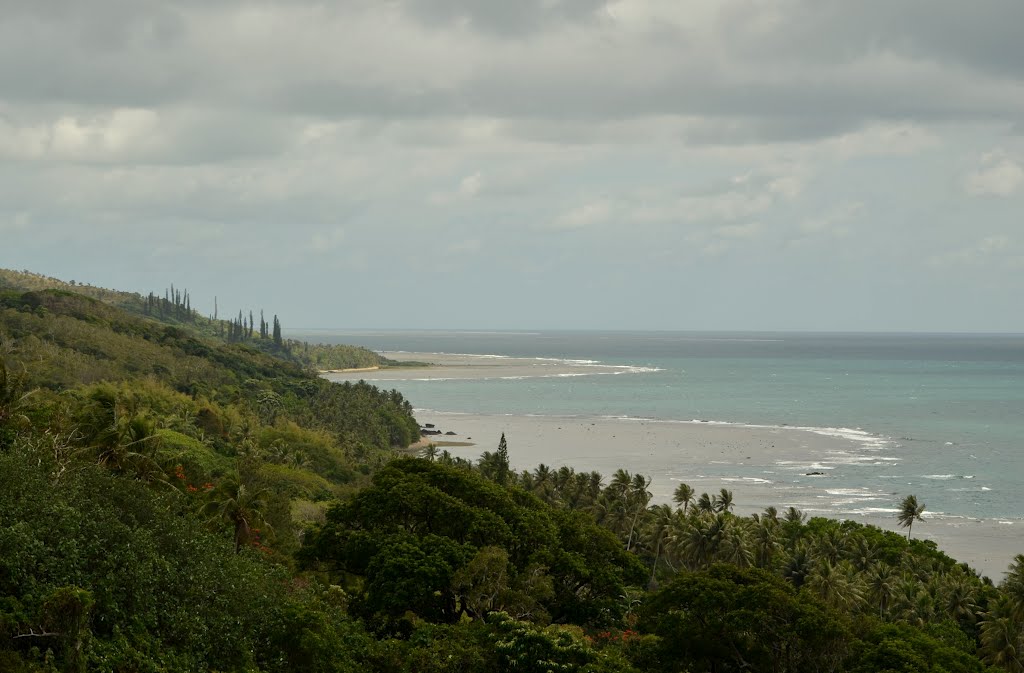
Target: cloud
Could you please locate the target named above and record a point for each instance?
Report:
(586, 215)
(327, 241)
(469, 187)
(998, 175)
(738, 198)
(985, 251)
(832, 223)
(216, 138)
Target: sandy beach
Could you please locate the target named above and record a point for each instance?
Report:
(447, 367)
(761, 465)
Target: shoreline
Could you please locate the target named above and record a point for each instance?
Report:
(778, 465)
(762, 465)
(349, 370)
(462, 366)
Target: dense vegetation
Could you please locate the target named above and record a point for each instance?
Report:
(173, 502)
(174, 307)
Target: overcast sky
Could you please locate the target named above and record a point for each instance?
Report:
(636, 164)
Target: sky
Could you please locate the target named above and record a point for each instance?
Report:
(819, 165)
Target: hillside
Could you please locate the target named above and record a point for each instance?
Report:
(174, 307)
(172, 502)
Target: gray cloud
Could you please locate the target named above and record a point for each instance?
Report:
(669, 143)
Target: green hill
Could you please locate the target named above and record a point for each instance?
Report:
(173, 501)
(174, 307)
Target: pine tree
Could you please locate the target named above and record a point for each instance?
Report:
(501, 462)
(277, 333)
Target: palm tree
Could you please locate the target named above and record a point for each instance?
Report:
(735, 547)
(705, 504)
(830, 545)
(881, 585)
(544, 483)
(658, 529)
(797, 567)
(683, 496)
(697, 541)
(120, 442)
(765, 539)
(1001, 641)
(239, 506)
(626, 500)
(794, 516)
(1013, 588)
(12, 396)
(835, 584)
(909, 512)
(863, 553)
(959, 596)
(723, 501)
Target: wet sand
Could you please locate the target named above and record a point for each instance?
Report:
(446, 367)
(762, 466)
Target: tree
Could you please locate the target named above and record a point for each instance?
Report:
(909, 512)
(494, 466)
(723, 502)
(239, 506)
(727, 619)
(278, 341)
(659, 527)
(683, 496)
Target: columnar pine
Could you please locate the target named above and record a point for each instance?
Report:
(277, 333)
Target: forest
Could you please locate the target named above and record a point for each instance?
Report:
(175, 498)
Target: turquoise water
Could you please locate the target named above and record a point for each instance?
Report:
(947, 410)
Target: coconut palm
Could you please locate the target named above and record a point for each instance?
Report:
(705, 505)
(683, 496)
(544, 483)
(836, 585)
(688, 542)
(765, 540)
(735, 547)
(909, 512)
(1001, 641)
(912, 603)
(239, 506)
(881, 585)
(830, 545)
(657, 532)
(797, 566)
(1013, 588)
(120, 442)
(794, 516)
(862, 553)
(958, 595)
(13, 396)
(635, 503)
(723, 502)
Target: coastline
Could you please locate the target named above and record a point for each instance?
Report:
(350, 370)
(762, 466)
(461, 366)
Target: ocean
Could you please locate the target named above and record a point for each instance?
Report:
(939, 415)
